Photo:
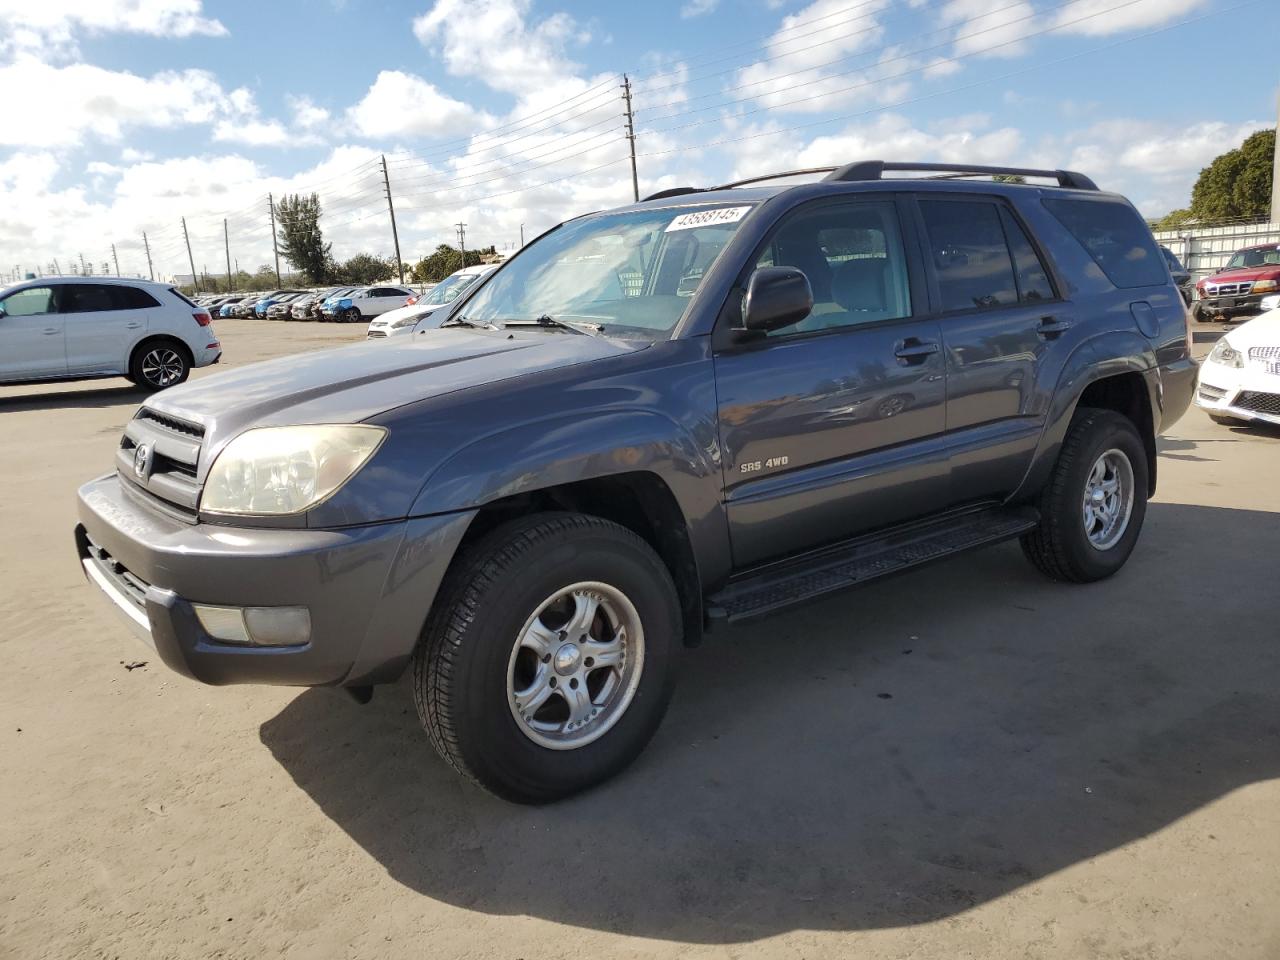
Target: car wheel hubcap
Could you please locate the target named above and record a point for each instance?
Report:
(1108, 500)
(575, 666)
(162, 367)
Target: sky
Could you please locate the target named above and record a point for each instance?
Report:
(125, 116)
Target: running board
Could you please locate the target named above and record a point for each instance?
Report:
(779, 585)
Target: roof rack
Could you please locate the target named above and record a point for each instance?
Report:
(875, 170)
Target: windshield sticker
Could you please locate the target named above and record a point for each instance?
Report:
(707, 218)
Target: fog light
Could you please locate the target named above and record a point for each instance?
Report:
(256, 626)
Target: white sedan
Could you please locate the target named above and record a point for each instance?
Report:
(1240, 380)
(397, 322)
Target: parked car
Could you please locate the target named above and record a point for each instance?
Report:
(80, 328)
(362, 303)
(281, 308)
(317, 310)
(300, 309)
(1240, 380)
(618, 440)
(242, 309)
(1238, 288)
(262, 306)
(416, 316)
(1181, 275)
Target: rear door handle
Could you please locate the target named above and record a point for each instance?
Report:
(52, 331)
(1051, 328)
(133, 325)
(914, 351)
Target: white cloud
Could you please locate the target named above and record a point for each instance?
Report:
(254, 133)
(993, 28)
(306, 114)
(403, 104)
(1104, 19)
(698, 8)
(48, 28)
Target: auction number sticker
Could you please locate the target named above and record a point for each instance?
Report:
(707, 218)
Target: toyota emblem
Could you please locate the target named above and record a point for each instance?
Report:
(142, 461)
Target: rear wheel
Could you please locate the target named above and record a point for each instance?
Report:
(158, 364)
(1092, 508)
(550, 656)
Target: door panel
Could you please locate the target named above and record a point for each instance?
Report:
(98, 334)
(31, 336)
(826, 437)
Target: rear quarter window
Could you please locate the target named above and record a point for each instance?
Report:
(1116, 238)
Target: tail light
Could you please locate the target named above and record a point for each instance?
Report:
(203, 318)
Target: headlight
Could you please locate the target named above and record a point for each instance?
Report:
(407, 321)
(273, 471)
(1266, 286)
(1226, 354)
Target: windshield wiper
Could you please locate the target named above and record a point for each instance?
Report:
(468, 322)
(546, 320)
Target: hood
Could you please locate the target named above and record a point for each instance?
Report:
(351, 384)
(1264, 272)
(1262, 331)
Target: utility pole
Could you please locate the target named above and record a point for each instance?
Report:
(84, 272)
(631, 136)
(391, 208)
(56, 269)
(116, 259)
(147, 247)
(522, 236)
(190, 259)
(1275, 173)
(226, 238)
(462, 241)
(271, 208)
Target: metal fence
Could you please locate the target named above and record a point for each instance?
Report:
(1205, 249)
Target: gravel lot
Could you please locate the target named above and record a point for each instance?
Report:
(963, 762)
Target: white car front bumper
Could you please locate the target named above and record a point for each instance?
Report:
(1251, 392)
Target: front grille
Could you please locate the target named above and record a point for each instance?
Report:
(1211, 393)
(130, 584)
(166, 475)
(1242, 289)
(1268, 403)
(375, 334)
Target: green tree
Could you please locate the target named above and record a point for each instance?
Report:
(1009, 178)
(445, 260)
(1173, 219)
(301, 239)
(365, 268)
(1238, 183)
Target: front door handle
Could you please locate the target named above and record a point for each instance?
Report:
(914, 351)
(133, 325)
(1050, 328)
(52, 331)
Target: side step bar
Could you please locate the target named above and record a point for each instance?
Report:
(779, 585)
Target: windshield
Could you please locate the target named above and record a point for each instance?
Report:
(447, 290)
(631, 273)
(1265, 256)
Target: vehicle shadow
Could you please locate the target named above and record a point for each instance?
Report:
(50, 398)
(892, 756)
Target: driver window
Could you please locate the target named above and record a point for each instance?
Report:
(29, 302)
(852, 254)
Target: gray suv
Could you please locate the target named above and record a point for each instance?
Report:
(650, 423)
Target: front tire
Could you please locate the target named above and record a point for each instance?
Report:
(1092, 508)
(351, 315)
(550, 656)
(159, 364)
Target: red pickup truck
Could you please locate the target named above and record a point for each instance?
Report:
(1238, 288)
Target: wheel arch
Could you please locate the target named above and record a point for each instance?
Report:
(152, 339)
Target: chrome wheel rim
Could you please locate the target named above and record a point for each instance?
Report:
(575, 666)
(162, 367)
(1108, 499)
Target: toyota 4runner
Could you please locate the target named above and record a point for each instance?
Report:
(652, 422)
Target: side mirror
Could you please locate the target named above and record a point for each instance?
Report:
(776, 297)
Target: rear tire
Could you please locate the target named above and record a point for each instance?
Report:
(160, 364)
(493, 672)
(1086, 533)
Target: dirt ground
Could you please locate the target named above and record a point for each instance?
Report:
(967, 761)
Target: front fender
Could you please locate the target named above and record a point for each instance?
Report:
(567, 449)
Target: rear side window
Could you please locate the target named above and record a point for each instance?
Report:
(131, 298)
(86, 298)
(970, 254)
(1116, 238)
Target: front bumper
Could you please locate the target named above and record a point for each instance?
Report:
(368, 588)
(1248, 393)
(1231, 306)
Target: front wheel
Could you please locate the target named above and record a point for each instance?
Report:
(549, 658)
(351, 315)
(1092, 508)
